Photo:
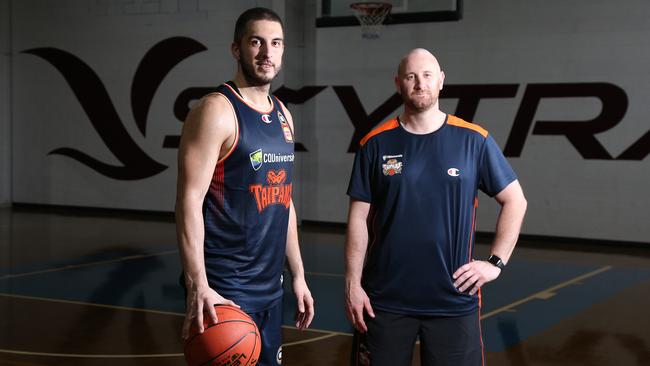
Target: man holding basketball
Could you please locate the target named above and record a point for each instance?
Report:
(235, 217)
(413, 199)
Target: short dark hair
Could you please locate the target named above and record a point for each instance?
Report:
(253, 15)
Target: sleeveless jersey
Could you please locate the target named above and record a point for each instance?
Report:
(422, 191)
(246, 209)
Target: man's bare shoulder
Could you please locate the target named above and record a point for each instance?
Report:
(214, 109)
(213, 103)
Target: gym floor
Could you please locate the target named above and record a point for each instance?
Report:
(100, 288)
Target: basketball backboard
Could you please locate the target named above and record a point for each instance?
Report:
(338, 13)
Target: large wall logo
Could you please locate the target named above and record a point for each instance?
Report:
(97, 104)
(165, 55)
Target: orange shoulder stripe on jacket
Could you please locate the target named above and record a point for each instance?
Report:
(388, 125)
(455, 121)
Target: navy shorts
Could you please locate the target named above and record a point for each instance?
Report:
(444, 341)
(269, 323)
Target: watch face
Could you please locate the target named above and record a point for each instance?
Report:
(496, 261)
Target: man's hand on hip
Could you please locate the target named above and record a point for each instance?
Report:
(473, 275)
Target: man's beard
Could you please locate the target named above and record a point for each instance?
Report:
(251, 77)
(421, 104)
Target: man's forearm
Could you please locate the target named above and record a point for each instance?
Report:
(190, 232)
(508, 228)
(294, 259)
(355, 250)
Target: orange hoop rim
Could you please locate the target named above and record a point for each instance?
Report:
(371, 5)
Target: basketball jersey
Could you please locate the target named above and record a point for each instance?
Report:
(422, 191)
(246, 209)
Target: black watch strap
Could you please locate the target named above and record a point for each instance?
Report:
(496, 261)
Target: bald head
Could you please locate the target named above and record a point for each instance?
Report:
(419, 56)
(419, 80)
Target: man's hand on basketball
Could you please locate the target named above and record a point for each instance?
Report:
(201, 301)
(356, 301)
(473, 275)
(305, 303)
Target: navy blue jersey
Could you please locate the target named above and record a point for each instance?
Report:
(422, 191)
(246, 209)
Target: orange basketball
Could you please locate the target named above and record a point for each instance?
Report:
(234, 340)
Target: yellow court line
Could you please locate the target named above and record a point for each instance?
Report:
(318, 330)
(89, 264)
(113, 307)
(315, 339)
(543, 294)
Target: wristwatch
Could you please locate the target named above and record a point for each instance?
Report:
(496, 261)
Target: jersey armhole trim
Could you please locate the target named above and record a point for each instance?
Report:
(236, 142)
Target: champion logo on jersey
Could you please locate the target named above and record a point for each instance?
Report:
(266, 118)
(278, 356)
(453, 172)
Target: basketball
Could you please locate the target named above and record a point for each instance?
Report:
(234, 340)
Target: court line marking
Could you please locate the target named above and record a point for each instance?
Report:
(315, 339)
(545, 293)
(535, 296)
(89, 264)
(113, 307)
(318, 330)
(75, 355)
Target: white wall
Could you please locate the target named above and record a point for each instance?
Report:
(508, 41)
(111, 38)
(5, 110)
(496, 42)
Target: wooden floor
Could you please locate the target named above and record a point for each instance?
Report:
(80, 289)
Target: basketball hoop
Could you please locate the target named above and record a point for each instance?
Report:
(371, 15)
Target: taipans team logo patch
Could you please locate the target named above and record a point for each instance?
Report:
(278, 177)
(392, 165)
(256, 159)
(286, 130)
(266, 118)
(278, 356)
(453, 172)
(273, 193)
